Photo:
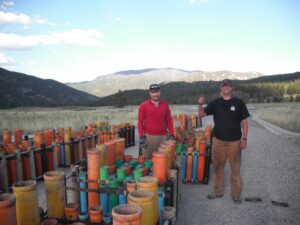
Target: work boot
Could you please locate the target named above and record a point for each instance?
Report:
(213, 196)
(236, 200)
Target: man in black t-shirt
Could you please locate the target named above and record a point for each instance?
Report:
(229, 138)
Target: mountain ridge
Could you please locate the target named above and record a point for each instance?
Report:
(131, 79)
(22, 90)
(272, 88)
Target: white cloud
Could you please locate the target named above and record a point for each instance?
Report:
(5, 60)
(14, 41)
(89, 37)
(7, 4)
(39, 20)
(199, 2)
(14, 18)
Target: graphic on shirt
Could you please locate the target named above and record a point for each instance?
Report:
(232, 108)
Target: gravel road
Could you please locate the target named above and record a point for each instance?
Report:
(270, 170)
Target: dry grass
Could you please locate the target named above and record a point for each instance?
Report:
(33, 119)
(286, 116)
(29, 120)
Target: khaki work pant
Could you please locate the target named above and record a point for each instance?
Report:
(221, 150)
(153, 143)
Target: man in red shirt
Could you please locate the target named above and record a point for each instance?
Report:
(154, 120)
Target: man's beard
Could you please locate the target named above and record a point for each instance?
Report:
(156, 99)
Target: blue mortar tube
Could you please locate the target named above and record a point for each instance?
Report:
(104, 200)
(62, 154)
(83, 196)
(195, 165)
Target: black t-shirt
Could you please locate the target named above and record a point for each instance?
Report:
(228, 115)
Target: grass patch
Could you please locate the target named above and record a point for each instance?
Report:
(29, 120)
(36, 119)
(286, 116)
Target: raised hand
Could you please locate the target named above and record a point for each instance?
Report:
(201, 99)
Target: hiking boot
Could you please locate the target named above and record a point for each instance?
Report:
(213, 196)
(237, 200)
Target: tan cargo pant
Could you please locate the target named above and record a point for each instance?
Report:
(153, 143)
(221, 150)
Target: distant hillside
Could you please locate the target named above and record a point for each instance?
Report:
(21, 90)
(274, 88)
(132, 79)
(17, 89)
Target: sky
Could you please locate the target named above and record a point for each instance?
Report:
(79, 40)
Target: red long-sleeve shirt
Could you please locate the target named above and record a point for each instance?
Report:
(154, 120)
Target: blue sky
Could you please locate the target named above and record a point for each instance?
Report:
(77, 40)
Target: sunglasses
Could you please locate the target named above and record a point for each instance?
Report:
(223, 85)
(155, 91)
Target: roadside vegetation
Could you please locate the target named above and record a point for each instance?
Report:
(35, 119)
(286, 116)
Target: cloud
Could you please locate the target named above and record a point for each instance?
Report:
(5, 60)
(7, 4)
(89, 37)
(198, 2)
(39, 20)
(13, 18)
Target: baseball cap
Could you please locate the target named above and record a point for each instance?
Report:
(154, 87)
(226, 82)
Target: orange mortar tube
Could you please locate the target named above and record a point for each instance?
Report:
(93, 174)
(201, 160)
(12, 171)
(57, 141)
(11, 148)
(111, 152)
(26, 167)
(6, 137)
(160, 166)
(189, 164)
(48, 137)
(120, 149)
(105, 136)
(18, 136)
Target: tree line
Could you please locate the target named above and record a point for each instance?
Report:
(276, 88)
